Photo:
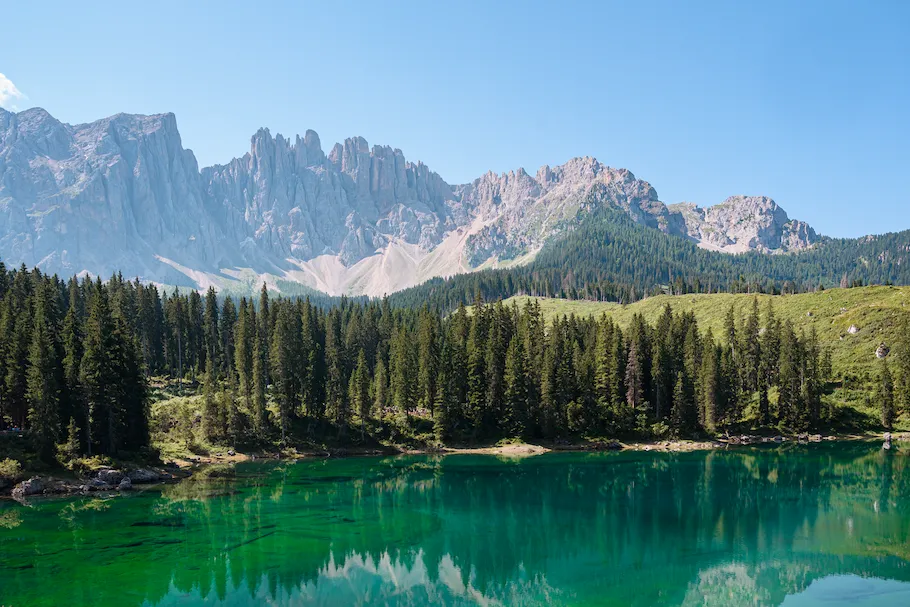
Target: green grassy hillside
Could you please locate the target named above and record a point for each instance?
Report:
(877, 312)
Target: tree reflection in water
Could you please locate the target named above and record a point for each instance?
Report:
(746, 527)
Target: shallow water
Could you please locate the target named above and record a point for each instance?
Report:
(821, 525)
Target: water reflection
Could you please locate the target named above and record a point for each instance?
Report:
(752, 527)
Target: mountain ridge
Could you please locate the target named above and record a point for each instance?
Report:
(123, 194)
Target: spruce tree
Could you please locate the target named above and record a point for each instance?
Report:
(96, 372)
(427, 359)
(286, 364)
(243, 354)
(258, 413)
(44, 376)
(71, 448)
(211, 334)
(634, 381)
(211, 419)
(72, 339)
(679, 415)
(516, 388)
(380, 388)
(709, 384)
(359, 391)
(335, 385)
(401, 369)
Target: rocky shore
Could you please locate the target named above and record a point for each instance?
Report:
(103, 480)
(112, 480)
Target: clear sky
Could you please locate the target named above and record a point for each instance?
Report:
(803, 101)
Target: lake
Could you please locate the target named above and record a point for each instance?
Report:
(816, 525)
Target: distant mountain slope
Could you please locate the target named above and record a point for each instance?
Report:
(122, 194)
(609, 257)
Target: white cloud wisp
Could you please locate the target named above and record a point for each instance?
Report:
(10, 96)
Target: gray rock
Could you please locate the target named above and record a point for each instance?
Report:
(743, 223)
(32, 486)
(110, 476)
(853, 330)
(122, 194)
(144, 475)
(882, 350)
(125, 484)
(96, 484)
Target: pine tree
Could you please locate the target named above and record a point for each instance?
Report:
(265, 331)
(709, 384)
(603, 373)
(72, 356)
(750, 346)
(680, 413)
(185, 425)
(211, 419)
(380, 388)
(243, 355)
(335, 385)
(130, 389)
(44, 378)
(258, 413)
(211, 334)
(427, 359)
(233, 420)
(621, 413)
(96, 371)
(286, 364)
(516, 388)
(401, 369)
(71, 448)
(634, 381)
(476, 377)
(359, 391)
(788, 377)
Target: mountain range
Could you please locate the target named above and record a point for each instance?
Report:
(123, 194)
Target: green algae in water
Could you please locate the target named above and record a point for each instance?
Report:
(801, 527)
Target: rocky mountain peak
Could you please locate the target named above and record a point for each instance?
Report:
(744, 223)
(123, 194)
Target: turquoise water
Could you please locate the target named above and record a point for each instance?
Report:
(821, 525)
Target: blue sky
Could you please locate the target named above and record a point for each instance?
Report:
(806, 102)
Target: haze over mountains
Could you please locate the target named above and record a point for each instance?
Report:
(122, 194)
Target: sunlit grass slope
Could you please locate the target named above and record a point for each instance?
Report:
(877, 313)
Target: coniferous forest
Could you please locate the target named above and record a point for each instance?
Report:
(77, 360)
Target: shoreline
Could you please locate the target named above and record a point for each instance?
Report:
(180, 469)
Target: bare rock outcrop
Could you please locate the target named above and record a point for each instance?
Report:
(123, 194)
(745, 223)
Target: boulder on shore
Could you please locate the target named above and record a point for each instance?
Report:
(110, 476)
(125, 484)
(143, 475)
(32, 486)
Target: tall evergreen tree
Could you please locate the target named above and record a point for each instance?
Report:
(359, 391)
(516, 388)
(44, 376)
(380, 388)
